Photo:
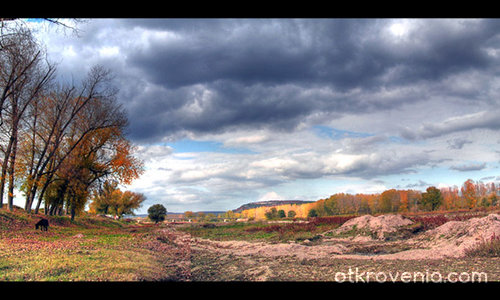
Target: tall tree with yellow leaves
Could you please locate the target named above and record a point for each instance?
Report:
(111, 200)
(469, 193)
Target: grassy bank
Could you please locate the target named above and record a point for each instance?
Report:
(88, 249)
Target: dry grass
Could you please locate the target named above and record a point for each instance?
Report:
(89, 249)
(487, 248)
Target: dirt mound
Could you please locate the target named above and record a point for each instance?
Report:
(451, 240)
(375, 226)
(456, 237)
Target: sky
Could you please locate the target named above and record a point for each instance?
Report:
(230, 111)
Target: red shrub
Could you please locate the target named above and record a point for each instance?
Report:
(332, 220)
(296, 227)
(281, 228)
(433, 221)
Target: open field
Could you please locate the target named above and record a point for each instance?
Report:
(88, 249)
(102, 249)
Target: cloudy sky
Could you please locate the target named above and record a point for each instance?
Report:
(230, 111)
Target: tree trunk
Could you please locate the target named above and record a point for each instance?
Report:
(42, 194)
(29, 200)
(4, 169)
(51, 209)
(10, 196)
(73, 212)
(32, 198)
(44, 188)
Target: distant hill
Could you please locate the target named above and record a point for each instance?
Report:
(268, 203)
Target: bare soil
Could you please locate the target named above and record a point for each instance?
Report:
(441, 249)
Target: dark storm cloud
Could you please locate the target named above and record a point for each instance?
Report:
(344, 53)
(276, 73)
(223, 105)
(263, 51)
(186, 64)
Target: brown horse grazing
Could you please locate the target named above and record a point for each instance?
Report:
(43, 224)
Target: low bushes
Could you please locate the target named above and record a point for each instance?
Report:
(332, 220)
(311, 226)
(487, 248)
(434, 221)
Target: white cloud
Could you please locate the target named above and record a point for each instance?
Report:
(68, 52)
(108, 52)
(246, 140)
(477, 120)
(271, 196)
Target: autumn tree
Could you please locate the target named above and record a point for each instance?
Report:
(74, 120)
(319, 206)
(331, 206)
(228, 214)
(404, 206)
(209, 217)
(24, 75)
(59, 142)
(102, 156)
(485, 202)
(200, 215)
(432, 198)
(414, 200)
(111, 200)
(451, 198)
(272, 214)
(189, 214)
(74, 141)
(469, 193)
(390, 201)
(493, 198)
(128, 202)
(101, 199)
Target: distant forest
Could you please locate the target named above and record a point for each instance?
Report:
(469, 196)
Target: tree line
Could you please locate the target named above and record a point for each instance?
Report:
(469, 196)
(61, 143)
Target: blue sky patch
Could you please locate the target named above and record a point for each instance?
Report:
(185, 145)
(338, 134)
(35, 20)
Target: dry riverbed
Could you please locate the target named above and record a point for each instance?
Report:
(381, 255)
